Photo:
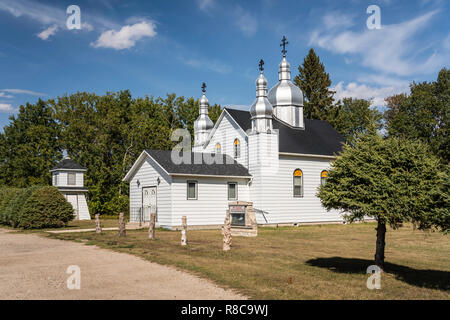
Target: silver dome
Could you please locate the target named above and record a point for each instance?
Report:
(285, 93)
(261, 110)
(286, 98)
(203, 124)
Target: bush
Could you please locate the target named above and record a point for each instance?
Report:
(46, 207)
(34, 207)
(15, 205)
(6, 195)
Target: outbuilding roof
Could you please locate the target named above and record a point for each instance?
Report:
(317, 138)
(68, 164)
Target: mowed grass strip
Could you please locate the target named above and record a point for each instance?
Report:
(306, 262)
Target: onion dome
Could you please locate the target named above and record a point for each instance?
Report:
(203, 124)
(285, 97)
(261, 110)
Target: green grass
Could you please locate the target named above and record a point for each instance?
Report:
(307, 262)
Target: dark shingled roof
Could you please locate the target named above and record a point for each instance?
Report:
(163, 157)
(318, 137)
(68, 164)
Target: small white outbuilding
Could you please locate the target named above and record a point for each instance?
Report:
(68, 177)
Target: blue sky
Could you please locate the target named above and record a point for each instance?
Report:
(159, 47)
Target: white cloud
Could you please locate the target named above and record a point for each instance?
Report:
(213, 65)
(391, 49)
(7, 96)
(36, 11)
(50, 31)
(246, 22)
(23, 91)
(49, 16)
(126, 37)
(205, 5)
(6, 107)
(363, 91)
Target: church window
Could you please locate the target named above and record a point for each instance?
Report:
(237, 148)
(323, 177)
(298, 183)
(218, 148)
(192, 190)
(232, 191)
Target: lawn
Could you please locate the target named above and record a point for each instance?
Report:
(306, 262)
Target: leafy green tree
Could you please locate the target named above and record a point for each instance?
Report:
(29, 146)
(354, 116)
(315, 83)
(424, 114)
(391, 180)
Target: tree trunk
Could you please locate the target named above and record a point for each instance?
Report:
(183, 231)
(151, 227)
(98, 227)
(122, 231)
(381, 243)
(227, 233)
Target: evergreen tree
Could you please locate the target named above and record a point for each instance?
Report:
(391, 180)
(315, 82)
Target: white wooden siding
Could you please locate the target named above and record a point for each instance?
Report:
(83, 210)
(212, 200)
(147, 174)
(277, 197)
(226, 133)
(62, 179)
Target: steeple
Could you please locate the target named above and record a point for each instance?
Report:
(285, 97)
(261, 109)
(203, 124)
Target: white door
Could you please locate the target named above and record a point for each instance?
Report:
(148, 202)
(73, 200)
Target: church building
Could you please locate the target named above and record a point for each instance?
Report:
(269, 155)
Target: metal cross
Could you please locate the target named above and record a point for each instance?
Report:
(283, 44)
(261, 63)
(203, 87)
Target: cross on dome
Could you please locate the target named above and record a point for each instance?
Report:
(283, 44)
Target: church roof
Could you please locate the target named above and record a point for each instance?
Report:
(317, 138)
(68, 164)
(229, 167)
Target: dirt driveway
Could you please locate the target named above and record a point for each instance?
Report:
(34, 267)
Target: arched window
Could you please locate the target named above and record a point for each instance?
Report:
(237, 148)
(298, 183)
(323, 177)
(218, 148)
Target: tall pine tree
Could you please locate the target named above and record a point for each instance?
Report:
(315, 83)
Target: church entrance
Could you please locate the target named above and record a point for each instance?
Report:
(148, 202)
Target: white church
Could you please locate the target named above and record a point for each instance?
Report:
(269, 155)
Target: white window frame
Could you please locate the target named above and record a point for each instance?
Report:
(235, 190)
(187, 189)
(74, 175)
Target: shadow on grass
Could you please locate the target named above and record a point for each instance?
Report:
(432, 279)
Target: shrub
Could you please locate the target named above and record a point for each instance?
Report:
(34, 207)
(15, 205)
(6, 195)
(45, 207)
